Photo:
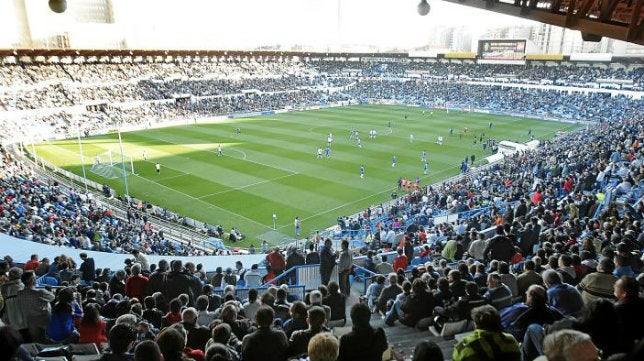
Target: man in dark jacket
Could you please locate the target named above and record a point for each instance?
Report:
(499, 247)
(528, 238)
(456, 284)
(240, 327)
(197, 335)
(178, 282)
(337, 302)
(535, 310)
(313, 257)
(418, 305)
(363, 342)
(117, 283)
(327, 261)
(156, 281)
(295, 258)
(630, 308)
(300, 339)
(265, 344)
(462, 309)
(87, 268)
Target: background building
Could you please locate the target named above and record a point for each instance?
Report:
(318, 25)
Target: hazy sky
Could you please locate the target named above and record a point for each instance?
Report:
(316, 22)
(248, 23)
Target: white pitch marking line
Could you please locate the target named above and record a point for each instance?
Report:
(358, 200)
(209, 204)
(247, 186)
(244, 159)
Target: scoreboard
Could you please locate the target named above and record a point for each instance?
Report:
(502, 49)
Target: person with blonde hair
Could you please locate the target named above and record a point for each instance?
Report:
(323, 347)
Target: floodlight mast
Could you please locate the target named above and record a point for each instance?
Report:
(127, 190)
(82, 157)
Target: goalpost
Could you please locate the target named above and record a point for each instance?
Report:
(110, 164)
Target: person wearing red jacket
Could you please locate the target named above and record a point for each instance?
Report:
(92, 328)
(32, 264)
(401, 261)
(276, 260)
(136, 285)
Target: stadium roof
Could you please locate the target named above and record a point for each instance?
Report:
(100, 53)
(617, 19)
(182, 53)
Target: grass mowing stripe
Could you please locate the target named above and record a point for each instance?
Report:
(248, 185)
(199, 200)
(445, 170)
(245, 160)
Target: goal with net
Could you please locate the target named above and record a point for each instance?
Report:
(112, 164)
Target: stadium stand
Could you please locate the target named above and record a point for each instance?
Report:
(543, 232)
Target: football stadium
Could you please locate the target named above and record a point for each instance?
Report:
(444, 180)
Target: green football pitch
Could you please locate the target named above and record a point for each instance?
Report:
(271, 165)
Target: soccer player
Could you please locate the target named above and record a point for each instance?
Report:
(329, 139)
(219, 150)
(411, 138)
(423, 157)
(145, 154)
(425, 168)
(361, 171)
(157, 166)
(319, 153)
(298, 226)
(327, 151)
(238, 130)
(359, 143)
(393, 161)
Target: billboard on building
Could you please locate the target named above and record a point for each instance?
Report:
(502, 49)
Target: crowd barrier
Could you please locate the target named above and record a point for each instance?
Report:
(242, 293)
(21, 249)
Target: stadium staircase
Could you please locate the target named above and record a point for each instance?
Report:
(401, 338)
(70, 75)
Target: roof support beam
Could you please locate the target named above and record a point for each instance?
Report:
(551, 12)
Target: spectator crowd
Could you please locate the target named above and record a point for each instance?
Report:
(547, 270)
